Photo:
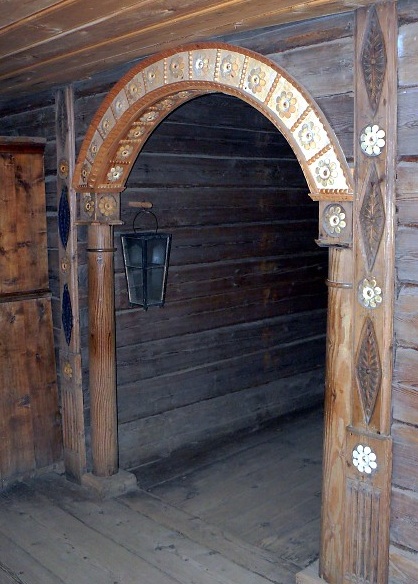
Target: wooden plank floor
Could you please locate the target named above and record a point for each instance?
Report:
(247, 513)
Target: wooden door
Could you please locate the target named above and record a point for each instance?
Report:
(30, 431)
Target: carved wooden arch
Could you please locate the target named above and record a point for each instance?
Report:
(158, 85)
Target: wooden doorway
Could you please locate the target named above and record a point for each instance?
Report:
(127, 117)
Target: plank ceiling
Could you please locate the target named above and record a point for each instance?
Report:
(45, 43)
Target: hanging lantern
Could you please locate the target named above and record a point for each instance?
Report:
(146, 256)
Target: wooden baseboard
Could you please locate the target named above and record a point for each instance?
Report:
(309, 575)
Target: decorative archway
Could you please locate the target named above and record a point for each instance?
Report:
(356, 413)
(151, 90)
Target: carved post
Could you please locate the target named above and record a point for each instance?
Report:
(70, 350)
(368, 441)
(102, 347)
(337, 410)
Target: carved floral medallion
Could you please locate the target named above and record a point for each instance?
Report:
(370, 294)
(372, 140)
(364, 459)
(334, 220)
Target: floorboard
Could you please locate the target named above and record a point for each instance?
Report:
(246, 512)
(264, 489)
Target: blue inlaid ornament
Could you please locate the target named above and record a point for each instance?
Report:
(64, 217)
(67, 314)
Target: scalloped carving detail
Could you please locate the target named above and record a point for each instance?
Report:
(368, 369)
(373, 60)
(372, 217)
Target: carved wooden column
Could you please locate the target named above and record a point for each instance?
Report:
(100, 213)
(368, 441)
(70, 368)
(337, 409)
(102, 350)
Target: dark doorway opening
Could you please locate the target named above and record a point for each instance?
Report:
(232, 369)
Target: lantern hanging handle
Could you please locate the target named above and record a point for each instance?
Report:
(147, 212)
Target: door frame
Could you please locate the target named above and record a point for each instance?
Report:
(355, 222)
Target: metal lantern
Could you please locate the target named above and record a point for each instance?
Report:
(146, 256)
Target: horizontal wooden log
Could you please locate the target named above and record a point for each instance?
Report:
(34, 117)
(407, 215)
(179, 207)
(199, 204)
(408, 211)
(406, 316)
(407, 121)
(406, 363)
(191, 245)
(150, 397)
(324, 69)
(403, 566)
(295, 35)
(407, 12)
(339, 111)
(406, 253)
(163, 169)
(407, 62)
(405, 403)
(236, 115)
(197, 281)
(159, 436)
(405, 456)
(272, 361)
(404, 519)
(159, 357)
(212, 312)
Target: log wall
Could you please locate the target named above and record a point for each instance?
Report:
(243, 311)
(246, 282)
(403, 556)
(241, 337)
(217, 358)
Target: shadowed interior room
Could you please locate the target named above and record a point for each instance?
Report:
(251, 419)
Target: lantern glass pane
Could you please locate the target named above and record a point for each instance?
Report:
(135, 285)
(133, 251)
(156, 251)
(155, 286)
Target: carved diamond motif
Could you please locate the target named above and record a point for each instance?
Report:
(372, 217)
(368, 369)
(373, 60)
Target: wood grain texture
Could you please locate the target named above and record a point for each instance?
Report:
(30, 419)
(403, 566)
(66, 268)
(102, 362)
(71, 40)
(23, 261)
(337, 410)
(53, 530)
(405, 457)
